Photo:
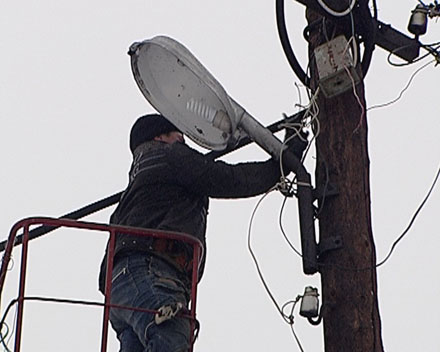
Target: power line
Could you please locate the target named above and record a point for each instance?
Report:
(288, 318)
(403, 90)
(411, 221)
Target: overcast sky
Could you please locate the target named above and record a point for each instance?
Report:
(68, 100)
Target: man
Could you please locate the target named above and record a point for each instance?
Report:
(169, 187)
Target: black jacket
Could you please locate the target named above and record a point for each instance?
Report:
(170, 186)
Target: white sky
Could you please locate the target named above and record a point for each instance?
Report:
(68, 100)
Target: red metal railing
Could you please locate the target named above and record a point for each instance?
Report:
(112, 230)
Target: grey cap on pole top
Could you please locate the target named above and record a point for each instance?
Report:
(181, 89)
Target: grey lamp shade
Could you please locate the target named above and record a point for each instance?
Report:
(178, 86)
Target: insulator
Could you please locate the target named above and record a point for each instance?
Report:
(418, 21)
(309, 303)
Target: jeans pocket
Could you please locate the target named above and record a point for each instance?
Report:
(123, 271)
(124, 285)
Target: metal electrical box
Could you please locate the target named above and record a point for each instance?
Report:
(333, 60)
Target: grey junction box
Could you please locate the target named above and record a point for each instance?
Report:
(335, 67)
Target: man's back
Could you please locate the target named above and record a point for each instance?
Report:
(169, 188)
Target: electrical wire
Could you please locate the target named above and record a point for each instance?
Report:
(14, 325)
(309, 119)
(3, 323)
(374, 9)
(254, 258)
(74, 215)
(343, 268)
(337, 13)
(296, 338)
(285, 43)
(3, 337)
(11, 263)
(432, 49)
(354, 50)
(280, 222)
(411, 222)
(289, 319)
(393, 246)
(293, 303)
(403, 90)
(298, 89)
(362, 114)
(353, 83)
(355, 59)
(313, 116)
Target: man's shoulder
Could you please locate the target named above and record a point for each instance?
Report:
(184, 149)
(183, 157)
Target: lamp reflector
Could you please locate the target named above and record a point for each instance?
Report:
(178, 86)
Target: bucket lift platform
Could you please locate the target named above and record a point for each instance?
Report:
(112, 230)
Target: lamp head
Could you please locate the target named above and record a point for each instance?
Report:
(178, 86)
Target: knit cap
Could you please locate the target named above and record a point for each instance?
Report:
(147, 127)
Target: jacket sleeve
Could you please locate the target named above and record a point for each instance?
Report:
(218, 179)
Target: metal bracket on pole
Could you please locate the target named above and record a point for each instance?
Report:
(324, 192)
(329, 244)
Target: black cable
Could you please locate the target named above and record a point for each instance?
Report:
(370, 37)
(312, 26)
(3, 337)
(285, 42)
(375, 9)
(396, 241)
(431, 48)
(411, 222)
(8, 308)
(74, 215)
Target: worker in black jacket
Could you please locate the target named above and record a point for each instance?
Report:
(169, 189)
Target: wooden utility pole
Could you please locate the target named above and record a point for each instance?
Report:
(349, 287)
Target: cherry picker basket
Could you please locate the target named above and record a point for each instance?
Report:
(25, 225)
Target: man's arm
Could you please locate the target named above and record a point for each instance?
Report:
(218, 179)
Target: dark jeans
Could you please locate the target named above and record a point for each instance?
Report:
(148, 282)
